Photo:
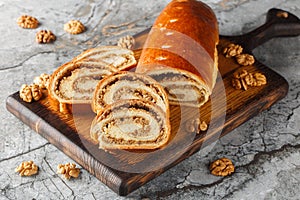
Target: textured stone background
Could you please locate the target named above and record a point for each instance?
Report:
(265, 150)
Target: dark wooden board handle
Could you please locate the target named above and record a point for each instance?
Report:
(279, 23)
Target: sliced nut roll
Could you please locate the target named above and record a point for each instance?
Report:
(75, 81)
(131, 124)
(116, 57)
(128, 85)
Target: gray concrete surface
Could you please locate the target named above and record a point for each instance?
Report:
(265, 150)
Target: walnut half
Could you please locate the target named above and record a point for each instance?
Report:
(221, 167)
(26, 21)
(74, 27)
(45, 36)
(245, 59)
(126, 42)
(242, 79)
(68, 170)
(232, 50)
(42, 81)
(28, 93)
(195, 126)
(27, 168)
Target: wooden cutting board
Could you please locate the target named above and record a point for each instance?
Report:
(125, 171)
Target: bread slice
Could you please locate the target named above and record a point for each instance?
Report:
(128, 85)
(131, 124)
(180, 52)
(75, 81)
(116, 57)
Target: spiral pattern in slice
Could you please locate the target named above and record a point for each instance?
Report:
(75, 81)
(128, 85)
(131, 124)
(183, 88)
(114, 56)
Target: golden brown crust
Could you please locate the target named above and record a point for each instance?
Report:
(183, 37)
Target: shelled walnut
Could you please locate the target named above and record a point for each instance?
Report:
(282, 14)
(232, 50)
(42, 81)
(221, 167)
(260, 79)
(45, 36)
(203, 126)
(28, 22)
(195, 126)
(36, 92)
(68, 170)
(74, 27)
(28, 93)
(25, 93)
(27, 168)
(242, 79)
(245, 59)
(126, 42)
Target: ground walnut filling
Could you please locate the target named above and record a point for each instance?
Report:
(81, 80)
(140, 121)
(181, 96)
(80, 83)
(137, 93)
(168, 80)
(122, 60)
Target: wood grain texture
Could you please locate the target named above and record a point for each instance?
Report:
(125, 171)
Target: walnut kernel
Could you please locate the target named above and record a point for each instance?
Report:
(236, 84)
(232, 50)
(26, 21)
(260, 79)
(45, 36)
(245, 59)
(27, 168)
(221, 167)
(42, 81)
(74, 27)
(28, 93)
(243, 79)
(195, 126)
(126, 42)
(68, 170)
(203, 126)
(240, 73)
(36, 92)
(282, 14)
(25, 93)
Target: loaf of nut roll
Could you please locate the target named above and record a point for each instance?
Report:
(131, 124)
(129, 85)
(75, 81)
(180, 52)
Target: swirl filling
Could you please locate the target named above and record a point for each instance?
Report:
(181, 87)
(75, 81)
(128, 85)
(131, 124)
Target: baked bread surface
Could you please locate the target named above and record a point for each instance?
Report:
(181, 46)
